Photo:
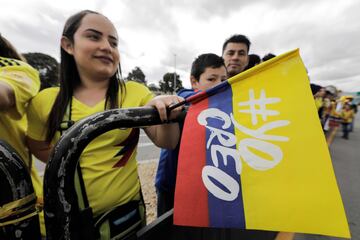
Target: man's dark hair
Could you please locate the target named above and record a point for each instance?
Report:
(237, 39)
(254, 60)
(268, 56)
(204, 61)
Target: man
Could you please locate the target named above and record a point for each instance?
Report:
(207, 71)
(235, 52)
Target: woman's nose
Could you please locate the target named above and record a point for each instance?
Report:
(106, 46)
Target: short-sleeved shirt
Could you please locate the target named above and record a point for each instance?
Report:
(24, 81)
(110, 174)
(347, 115)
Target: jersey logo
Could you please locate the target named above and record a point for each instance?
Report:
(129, 145)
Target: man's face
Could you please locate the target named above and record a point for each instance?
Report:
(209, 78)
(236, 58)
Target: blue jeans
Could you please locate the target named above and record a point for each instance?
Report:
(345, 128)
(351, 126)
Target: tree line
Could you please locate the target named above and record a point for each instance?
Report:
(48, 69)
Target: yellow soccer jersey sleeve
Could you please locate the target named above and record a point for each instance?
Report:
(23, 79)
(137, 95)
(38, 113)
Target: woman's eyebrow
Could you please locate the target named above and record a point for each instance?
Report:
(100, 33)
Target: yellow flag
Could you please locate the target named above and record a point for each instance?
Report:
(253, 156)
(285, 155)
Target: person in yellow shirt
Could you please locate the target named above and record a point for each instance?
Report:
(90, 82)
(347, 115)
(19, 82)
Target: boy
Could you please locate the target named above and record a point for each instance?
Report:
(207, 71)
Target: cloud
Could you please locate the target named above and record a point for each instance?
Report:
(146, 17)
(205, 9)
(34, 31)
(327, 41)
(151, 32)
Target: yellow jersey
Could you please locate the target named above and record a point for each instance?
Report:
(110, 178)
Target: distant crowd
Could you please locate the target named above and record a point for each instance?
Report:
(335, 110)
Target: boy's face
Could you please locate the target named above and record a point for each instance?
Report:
(209, 78)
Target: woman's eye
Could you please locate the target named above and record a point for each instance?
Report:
(93, 37)
(113, 44)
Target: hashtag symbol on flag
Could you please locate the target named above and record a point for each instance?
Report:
(261, 102)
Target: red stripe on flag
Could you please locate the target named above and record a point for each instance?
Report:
(190, 208)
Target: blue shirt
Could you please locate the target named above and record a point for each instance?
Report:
(166, 172)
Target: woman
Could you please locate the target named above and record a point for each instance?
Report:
(90, 83)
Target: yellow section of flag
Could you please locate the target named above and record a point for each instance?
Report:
(287, 179)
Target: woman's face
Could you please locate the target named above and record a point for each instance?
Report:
(95, 48)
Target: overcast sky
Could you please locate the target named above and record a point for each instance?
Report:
(152, 32)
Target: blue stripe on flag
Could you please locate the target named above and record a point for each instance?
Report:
(224, 213)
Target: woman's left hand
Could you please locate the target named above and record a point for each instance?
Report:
(162, 102)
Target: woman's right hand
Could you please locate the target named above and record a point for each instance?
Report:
(161, 103)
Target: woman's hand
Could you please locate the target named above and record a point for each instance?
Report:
(40, 149)
(7, 97)
(165, 135)
(162, 102)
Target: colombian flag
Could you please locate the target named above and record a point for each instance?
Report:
(253, 156)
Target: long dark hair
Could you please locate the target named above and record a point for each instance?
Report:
(70, 79)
